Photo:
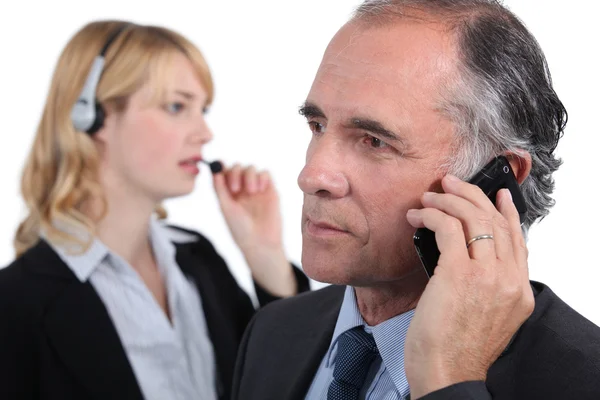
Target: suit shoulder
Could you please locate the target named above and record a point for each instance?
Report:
(181, 235)
(568, 326)
(18, 292)
(304, 305)
(202, 252)
(194, 241)
(13, 279)
(558, 332)
(33, 279)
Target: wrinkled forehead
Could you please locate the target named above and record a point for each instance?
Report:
(404, 62)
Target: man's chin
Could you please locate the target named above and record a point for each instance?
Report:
(352, 272)
(323, 271)
(334, 272)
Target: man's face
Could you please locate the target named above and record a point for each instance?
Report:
(378, 142)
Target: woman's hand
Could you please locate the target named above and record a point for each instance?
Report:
(250, 205)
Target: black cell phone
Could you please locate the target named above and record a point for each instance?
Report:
(496, 175)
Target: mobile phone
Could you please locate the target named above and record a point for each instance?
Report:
(496, 175)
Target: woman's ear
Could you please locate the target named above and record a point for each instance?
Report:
(103, 134)
(520, 163)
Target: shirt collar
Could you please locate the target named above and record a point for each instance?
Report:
(83, 264)
(163, 247)
(348, 318)
(389, 336)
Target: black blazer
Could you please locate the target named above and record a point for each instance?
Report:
(555, 354)
(57, 340)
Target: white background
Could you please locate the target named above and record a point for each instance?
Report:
(264, 55)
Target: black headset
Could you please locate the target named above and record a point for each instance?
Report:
(88, 114)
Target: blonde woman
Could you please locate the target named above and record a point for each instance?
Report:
(104, 299)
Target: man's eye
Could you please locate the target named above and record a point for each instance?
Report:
(376, 143)
(316, 127)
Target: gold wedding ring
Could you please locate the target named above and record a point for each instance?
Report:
(476, 238)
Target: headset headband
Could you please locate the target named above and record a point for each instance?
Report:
(87, 114)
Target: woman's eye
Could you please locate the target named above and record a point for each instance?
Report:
(174, 108)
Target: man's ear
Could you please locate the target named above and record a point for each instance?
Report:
(520, 163)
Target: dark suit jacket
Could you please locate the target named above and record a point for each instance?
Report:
(555, 354)
(57, 340)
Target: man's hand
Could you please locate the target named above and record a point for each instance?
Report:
(478, 296)
(250, 205)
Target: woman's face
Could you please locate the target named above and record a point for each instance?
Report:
(154, 150)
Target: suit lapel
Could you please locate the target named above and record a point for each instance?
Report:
(221, 336)
(310, 341)
(78, 327)
(312, 348)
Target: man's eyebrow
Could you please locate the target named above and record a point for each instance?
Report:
(310, 110)
(370, 125)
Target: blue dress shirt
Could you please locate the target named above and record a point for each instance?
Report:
(386, 379)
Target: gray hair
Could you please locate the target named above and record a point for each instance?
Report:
(502, 99)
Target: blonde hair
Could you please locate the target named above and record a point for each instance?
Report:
(60, 177)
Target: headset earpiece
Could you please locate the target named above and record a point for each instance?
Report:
(98, 120)
(88, 114)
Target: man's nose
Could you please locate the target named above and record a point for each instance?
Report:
(323, 174)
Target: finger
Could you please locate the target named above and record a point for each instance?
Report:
(250, 179)
(509, 211)
(503, 239)
(234, 179)
(221, 188)
(475, 222)
(449, 234)
(264, 179)
(467, 191)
